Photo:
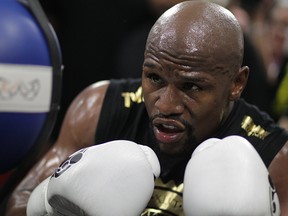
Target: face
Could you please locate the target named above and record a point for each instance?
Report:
(191, 74)
(187, 97)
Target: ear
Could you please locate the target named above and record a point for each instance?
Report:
(238, 83)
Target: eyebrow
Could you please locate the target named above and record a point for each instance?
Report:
(189, 76)
(150, 65)
(193, 76)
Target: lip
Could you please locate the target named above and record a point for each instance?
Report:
(168, 130)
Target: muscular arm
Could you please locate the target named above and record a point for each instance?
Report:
(279, 175)
(77, 131)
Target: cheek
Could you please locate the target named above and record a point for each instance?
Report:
(206, 116)
(148, 99)
(150, 104)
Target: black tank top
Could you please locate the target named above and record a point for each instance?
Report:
(124, 116)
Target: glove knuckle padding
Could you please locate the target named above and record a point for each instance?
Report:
(109, 179)
(153, 160)
(228, 177)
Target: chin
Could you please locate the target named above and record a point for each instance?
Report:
(172, 151)
(183, 149)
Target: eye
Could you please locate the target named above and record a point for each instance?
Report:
(190, 87)
(155, 78)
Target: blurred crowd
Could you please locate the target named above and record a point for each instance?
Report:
(266, 24)
(105, 40)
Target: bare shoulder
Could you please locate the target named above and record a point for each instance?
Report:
(81, 119)
(279, 174)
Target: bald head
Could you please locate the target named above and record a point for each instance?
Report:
(199, 29)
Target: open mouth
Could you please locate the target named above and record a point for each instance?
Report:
(168, 130)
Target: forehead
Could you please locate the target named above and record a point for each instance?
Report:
(179, 59)
(186, 66)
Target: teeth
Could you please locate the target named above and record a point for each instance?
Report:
(168, 126)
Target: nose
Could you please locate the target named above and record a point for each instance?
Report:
(169, 101)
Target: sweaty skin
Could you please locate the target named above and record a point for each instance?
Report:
(183, 65)
(191, 77)
(77, 131)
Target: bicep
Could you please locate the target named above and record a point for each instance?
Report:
(279, 175)
(80, 123)
(77, 131)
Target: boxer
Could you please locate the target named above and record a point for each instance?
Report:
(190, 91)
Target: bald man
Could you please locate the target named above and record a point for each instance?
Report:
(190, 91)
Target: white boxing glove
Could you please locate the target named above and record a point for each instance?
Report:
(228, 177)
(114, 178)
(38, 203)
